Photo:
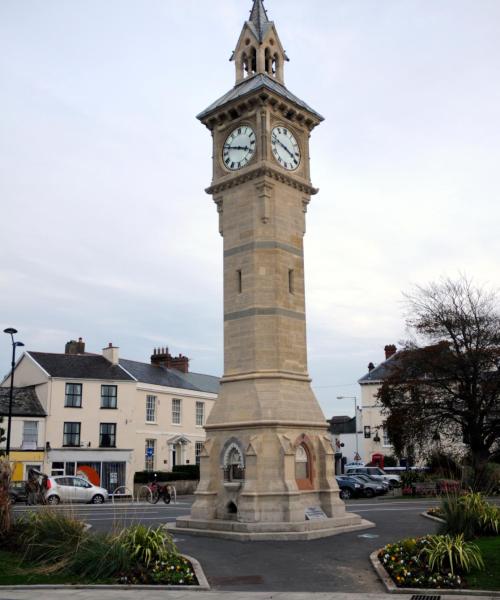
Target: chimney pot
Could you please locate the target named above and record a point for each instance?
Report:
(163, 358)
(390, 350)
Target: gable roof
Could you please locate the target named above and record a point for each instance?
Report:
(379, 373)
(342, 424)
(25, 402)
(252, 84)
(95, 366)
(79, 366)
(159, 375)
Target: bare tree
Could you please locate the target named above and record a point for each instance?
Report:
(446, 381)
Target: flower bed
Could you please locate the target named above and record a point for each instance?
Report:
(50, 542)
(406, 564)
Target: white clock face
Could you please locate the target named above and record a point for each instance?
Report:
(239, 148)
(285, 148)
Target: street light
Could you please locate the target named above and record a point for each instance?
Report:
(11, 331)
(355, 419)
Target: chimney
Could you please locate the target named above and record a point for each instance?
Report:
(371, 366)
(390, 350)
(75, 347)
(161, 357)
(111, 353)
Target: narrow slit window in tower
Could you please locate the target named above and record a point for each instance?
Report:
(291, 287)
(239, 281)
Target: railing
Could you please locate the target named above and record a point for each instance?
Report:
(125, 489)
(148, 491)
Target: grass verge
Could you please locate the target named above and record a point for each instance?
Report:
(489, 579)
(16, 571)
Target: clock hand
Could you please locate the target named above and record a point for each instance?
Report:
(238, 148)
(283, 146)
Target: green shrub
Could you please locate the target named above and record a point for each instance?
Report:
(193, 470)
(452, 553)
(470, 515)
(146, 477)
(100, 557)
(390, 461)
(139, 554)
(48, 536)
(147, 544)
(444, 465)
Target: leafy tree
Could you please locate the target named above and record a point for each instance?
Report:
(445, 383)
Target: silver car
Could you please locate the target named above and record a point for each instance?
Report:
(73, 489)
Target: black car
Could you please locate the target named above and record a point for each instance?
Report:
(371, 487)
(349, 488)
(17, 491)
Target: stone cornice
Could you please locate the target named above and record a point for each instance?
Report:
(258, 424)
(262, 171)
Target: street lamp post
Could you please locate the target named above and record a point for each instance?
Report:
(11, 331)
(355, 419)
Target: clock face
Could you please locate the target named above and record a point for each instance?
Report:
(285, 148)
(239, 148)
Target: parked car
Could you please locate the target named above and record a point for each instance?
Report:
(370, 488)
(349, 488)
(17, 491)
(384, 485)
(73, 489)
(375, 472)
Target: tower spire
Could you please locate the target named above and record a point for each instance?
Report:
(258, 18)
(259, 50)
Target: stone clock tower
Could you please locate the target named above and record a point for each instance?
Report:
(267, 468)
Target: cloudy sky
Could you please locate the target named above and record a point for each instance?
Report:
(106, 230)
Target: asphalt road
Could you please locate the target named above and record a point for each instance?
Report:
(336, 564)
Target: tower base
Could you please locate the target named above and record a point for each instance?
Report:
(246, 532)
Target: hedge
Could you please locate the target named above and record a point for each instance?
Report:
(162, 476)
(194, 470)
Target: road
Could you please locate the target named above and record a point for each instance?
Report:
(338, 563)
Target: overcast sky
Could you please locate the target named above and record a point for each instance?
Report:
(107, 232)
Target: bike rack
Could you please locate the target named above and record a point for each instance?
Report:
(144, 487)
(173, 492)
(125, 489)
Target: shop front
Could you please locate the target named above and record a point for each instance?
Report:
(109, 469)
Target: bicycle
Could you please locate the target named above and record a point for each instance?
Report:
(158, 491)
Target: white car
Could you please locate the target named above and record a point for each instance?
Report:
(66, 488)
(376, 473)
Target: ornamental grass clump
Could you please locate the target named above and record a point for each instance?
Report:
(470, 515)
(157, 559)
(425, 562)
(59, 544)
(452, 553)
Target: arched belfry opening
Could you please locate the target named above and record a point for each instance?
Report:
(249, 62)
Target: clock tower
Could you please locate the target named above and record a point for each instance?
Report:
(267, 466)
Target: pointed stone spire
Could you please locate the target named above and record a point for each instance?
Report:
(259, 50)
(258, 18)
